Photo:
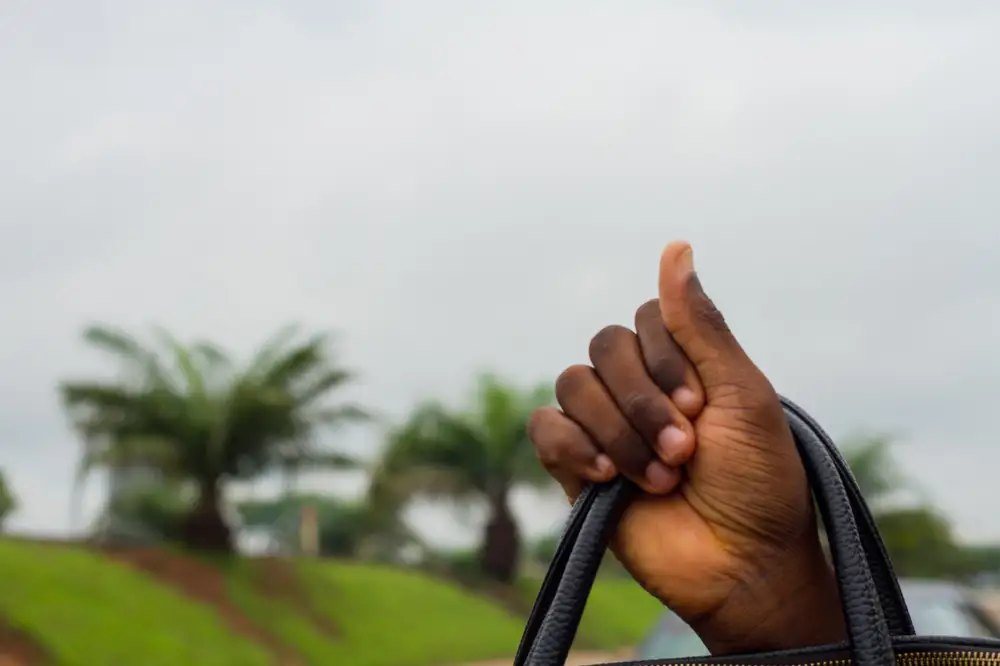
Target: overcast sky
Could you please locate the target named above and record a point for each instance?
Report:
(456, 185)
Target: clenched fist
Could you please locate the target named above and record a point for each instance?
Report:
(724, 532)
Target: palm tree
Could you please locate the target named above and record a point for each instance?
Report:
(190, 415)
(871, 462)
(481, 453)
(918, 538)
(8, 502)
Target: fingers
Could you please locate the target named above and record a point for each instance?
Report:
(585, 400)
(621, 416)
(666, 364)
(697, 326)
(618, 361)
(567, 451)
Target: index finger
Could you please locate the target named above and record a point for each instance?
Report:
(667, 364)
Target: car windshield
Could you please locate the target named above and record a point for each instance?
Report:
(675, 646)
(671, 639)
(935, 617)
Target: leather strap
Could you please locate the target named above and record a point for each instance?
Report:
(890, 596)
(554, 620)
(867, 631)
(556, 624)
(557, 567)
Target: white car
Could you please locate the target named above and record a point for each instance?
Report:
(937, 609)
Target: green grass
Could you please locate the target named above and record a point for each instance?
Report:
(618, 613)
(384, 616)
(84, 610)
(291, 626)
(392, 617)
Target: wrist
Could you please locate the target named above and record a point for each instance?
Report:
(791, 602)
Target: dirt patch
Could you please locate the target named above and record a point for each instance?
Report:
(18, 649)
(203, 583)
(277, 578)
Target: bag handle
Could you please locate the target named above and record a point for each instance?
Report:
(554, 620)
(891, 598)
(614, 495)
(897, 616)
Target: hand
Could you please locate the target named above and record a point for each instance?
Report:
(724, 533)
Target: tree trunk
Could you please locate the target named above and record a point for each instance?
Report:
(205, 528)
(501, 549)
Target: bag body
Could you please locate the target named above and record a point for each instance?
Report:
(880, 631)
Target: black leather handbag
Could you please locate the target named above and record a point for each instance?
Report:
(879, 629)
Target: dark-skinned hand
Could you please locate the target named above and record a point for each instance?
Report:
(724, 532)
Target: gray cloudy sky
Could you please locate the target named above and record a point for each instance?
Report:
(454, 186)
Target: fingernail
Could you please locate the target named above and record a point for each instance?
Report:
(684, 397)
(603, 465)
(670, 443)
(685, 263)
(661, 477)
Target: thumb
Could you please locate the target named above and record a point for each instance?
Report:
(697, 325)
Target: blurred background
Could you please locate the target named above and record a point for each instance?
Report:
(282, 281)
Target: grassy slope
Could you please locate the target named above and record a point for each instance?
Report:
(400, 618)
(391, 617)
(88, 611)
(618, 613)
(383, 616)
(286, 622)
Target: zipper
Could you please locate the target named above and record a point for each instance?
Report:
(943, 658)
(931, 658)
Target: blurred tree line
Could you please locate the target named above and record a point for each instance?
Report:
(919, 538)
(176, 424)
(8, 502)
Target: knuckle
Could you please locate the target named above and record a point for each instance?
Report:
(557, 448)
(607, 339)
(546, 445)
(535, 423)
(705, 310)
(627, 450)
(548, 456)
(648, 413)
(621, 441)
(667, 372)
(648, 310)
(639, 407)
(571, 380)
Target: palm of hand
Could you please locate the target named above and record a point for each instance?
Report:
(693, 547)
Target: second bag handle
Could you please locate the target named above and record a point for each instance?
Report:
(897, 616)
